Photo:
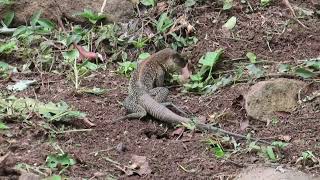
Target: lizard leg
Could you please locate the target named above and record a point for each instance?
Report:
(160, 95)
(136, 111)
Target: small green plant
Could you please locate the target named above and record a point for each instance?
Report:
(143, 56)
(21, 108)
(139, 43)
(57, 160)
(163, 23)
(127, 67)
(8, 47)
(203, 80)
(182, 41)
(307, 157)
(216, 147)
(91, 16)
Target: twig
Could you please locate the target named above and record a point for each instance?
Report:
(74, 130)
(287, 3)
(103, 6)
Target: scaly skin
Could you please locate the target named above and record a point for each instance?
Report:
(147, 95)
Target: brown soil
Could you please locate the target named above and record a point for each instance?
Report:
(165, 153)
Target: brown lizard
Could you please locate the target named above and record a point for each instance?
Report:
(147, 95)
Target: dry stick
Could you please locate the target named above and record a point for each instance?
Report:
(287, 3)
(103, 6)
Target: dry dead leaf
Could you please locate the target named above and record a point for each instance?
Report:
(285, 138)
(161, 7)
(178, 131)
(244, 124)
(185, 74)
(140, 165)
(179, 24)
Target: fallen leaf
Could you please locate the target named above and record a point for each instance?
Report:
(178, 131)
(21, 85)
(162, 6)
(285, 138)
(84, 54)
(185, 74)
(140, 165)
(244, 124)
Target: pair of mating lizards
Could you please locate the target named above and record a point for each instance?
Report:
(147, 94)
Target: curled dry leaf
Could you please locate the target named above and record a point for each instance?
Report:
(84, 54)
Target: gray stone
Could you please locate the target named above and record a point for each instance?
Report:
(267, 97)
(269, 173)
(115, 10)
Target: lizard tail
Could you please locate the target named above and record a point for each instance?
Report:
(161, 112)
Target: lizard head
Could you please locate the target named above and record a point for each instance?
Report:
(175, 63)
(172, 61)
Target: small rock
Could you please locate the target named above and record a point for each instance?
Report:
(265, 98)
(269, 173)
(121, 148)
(29, 176)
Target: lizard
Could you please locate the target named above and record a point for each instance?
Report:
(147, 94)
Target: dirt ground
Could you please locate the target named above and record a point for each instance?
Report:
(166, 153)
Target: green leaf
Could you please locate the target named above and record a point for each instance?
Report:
(71, 55)
(148, 2)
(314, 64)
(279, 144)
(211, 58)
(89, 65)
(3, 126)
(55, 160)
(8, 17)
(164, 23)
(304, 73)
(143, 56)
(47, 24)
(254, 71)
(35, 17)
(91, 16)
(265, 3)
(54, 177)
(21, 85)
(227, 4)
(127, 67)
(189, 3)
(8, 47)
(6, 2)
(252, 57)
(231, 23)
(218, 151)
(270, 153)
(284, 68)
